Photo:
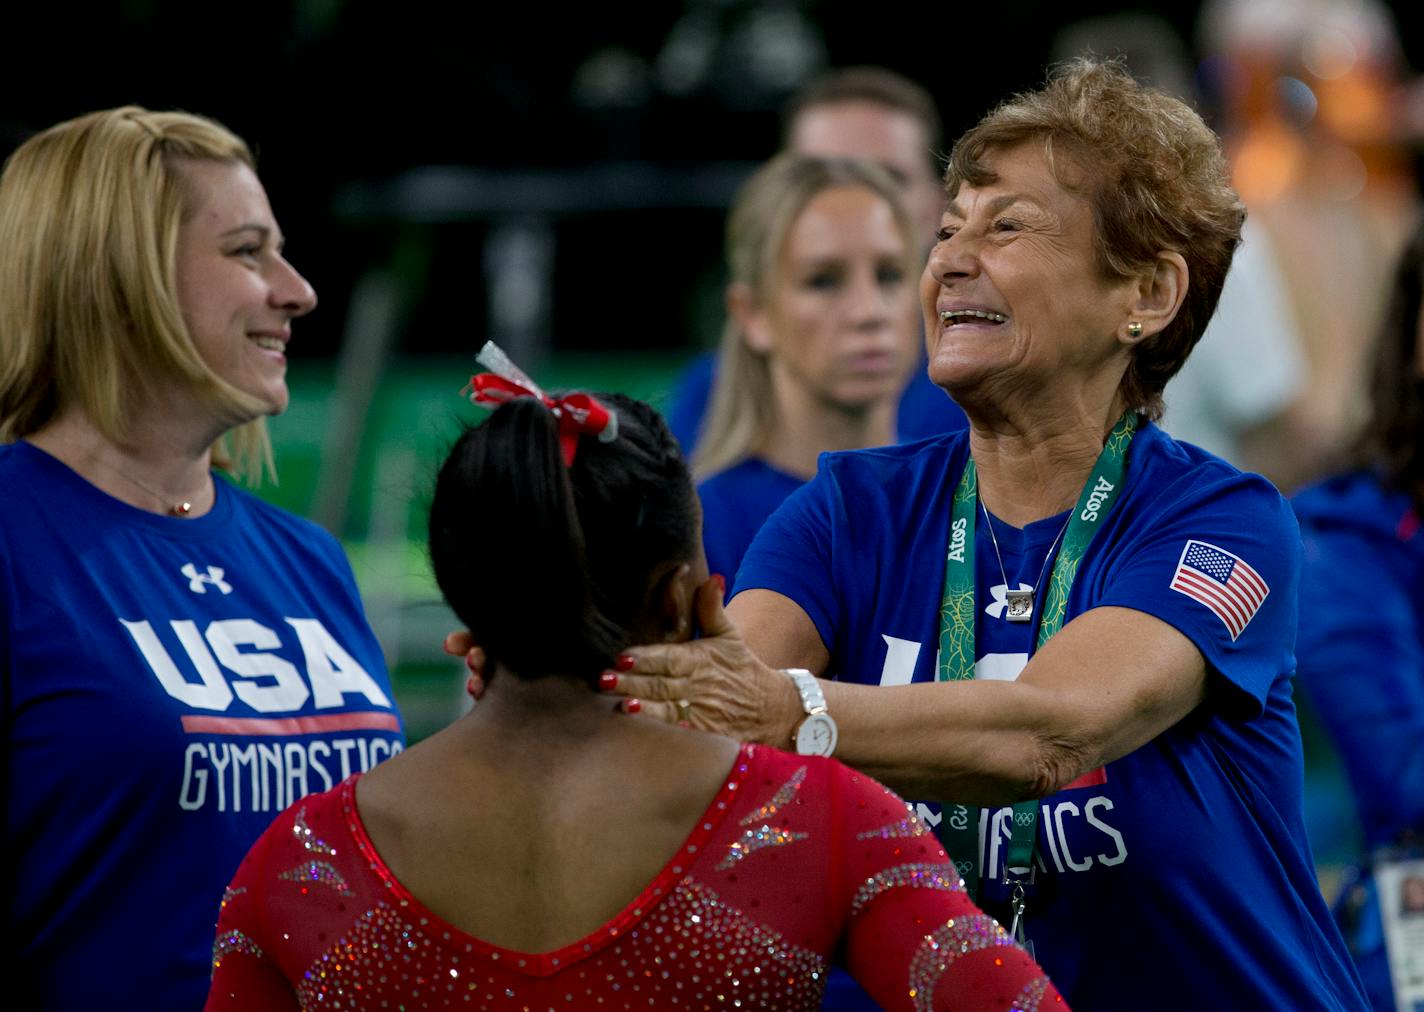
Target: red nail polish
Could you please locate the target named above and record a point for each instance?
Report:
(632, 706)
(624, 663)
(721, 583)
(607, 681)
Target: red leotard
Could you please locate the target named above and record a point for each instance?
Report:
(795, 862)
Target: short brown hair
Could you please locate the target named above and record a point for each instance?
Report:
(875, 85)
(89, 216)
(1156, 178)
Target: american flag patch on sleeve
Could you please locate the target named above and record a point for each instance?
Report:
(1221, 581)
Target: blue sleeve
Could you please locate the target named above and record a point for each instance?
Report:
(7, 621)
(793, 553)
(1362, 664)
(341, 567)
(688, 403)
(1241, 520)
(727, 530)
(724, 556)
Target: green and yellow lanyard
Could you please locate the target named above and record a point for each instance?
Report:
(959, 828)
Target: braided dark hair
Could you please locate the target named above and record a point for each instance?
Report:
(547, 565)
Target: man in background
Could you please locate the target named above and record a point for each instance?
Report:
(867, 114)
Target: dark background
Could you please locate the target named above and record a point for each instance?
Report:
(335, 92)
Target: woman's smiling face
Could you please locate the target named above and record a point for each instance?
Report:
(237, 292)
(1012, 295)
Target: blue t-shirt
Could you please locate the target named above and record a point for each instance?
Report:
(1178, 876)
(1361, 655)
(170, 685)
(925, 410)
(735, 503)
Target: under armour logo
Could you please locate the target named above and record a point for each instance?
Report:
(213, 576)
(995, 609)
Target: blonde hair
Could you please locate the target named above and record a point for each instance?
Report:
(1156, 179)
(89, 217)
(742, 410)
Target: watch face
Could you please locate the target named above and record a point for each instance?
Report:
(816, 735)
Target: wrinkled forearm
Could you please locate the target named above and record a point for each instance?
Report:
(982, 743)
(1110, 681)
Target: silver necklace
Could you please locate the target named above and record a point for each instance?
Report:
(1018, 604)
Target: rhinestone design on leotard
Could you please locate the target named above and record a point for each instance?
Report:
(694, 940)
(742, 962)
(957, 937)
(307, 838)
(322, 872)
(783, 796)
(765, 835)
(233, 941)
(757, 839)
(920, 875)
(693, 952)
(377, 948)
(1031, 996)
(229, 894)
(906, 828)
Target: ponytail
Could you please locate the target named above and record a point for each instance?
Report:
(549, 565)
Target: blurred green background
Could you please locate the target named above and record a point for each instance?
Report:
(416, 414)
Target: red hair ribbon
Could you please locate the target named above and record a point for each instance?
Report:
(577, 414)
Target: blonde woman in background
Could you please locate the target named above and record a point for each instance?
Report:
(821, 338)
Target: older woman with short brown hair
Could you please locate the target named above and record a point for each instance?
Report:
(1156, 180)
(1062, 615)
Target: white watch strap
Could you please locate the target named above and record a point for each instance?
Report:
(808, 687)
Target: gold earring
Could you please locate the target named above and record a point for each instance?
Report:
(1134, 329)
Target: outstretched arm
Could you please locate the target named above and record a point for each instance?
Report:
(1111, 680)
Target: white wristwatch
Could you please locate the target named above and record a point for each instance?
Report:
(817, 734)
